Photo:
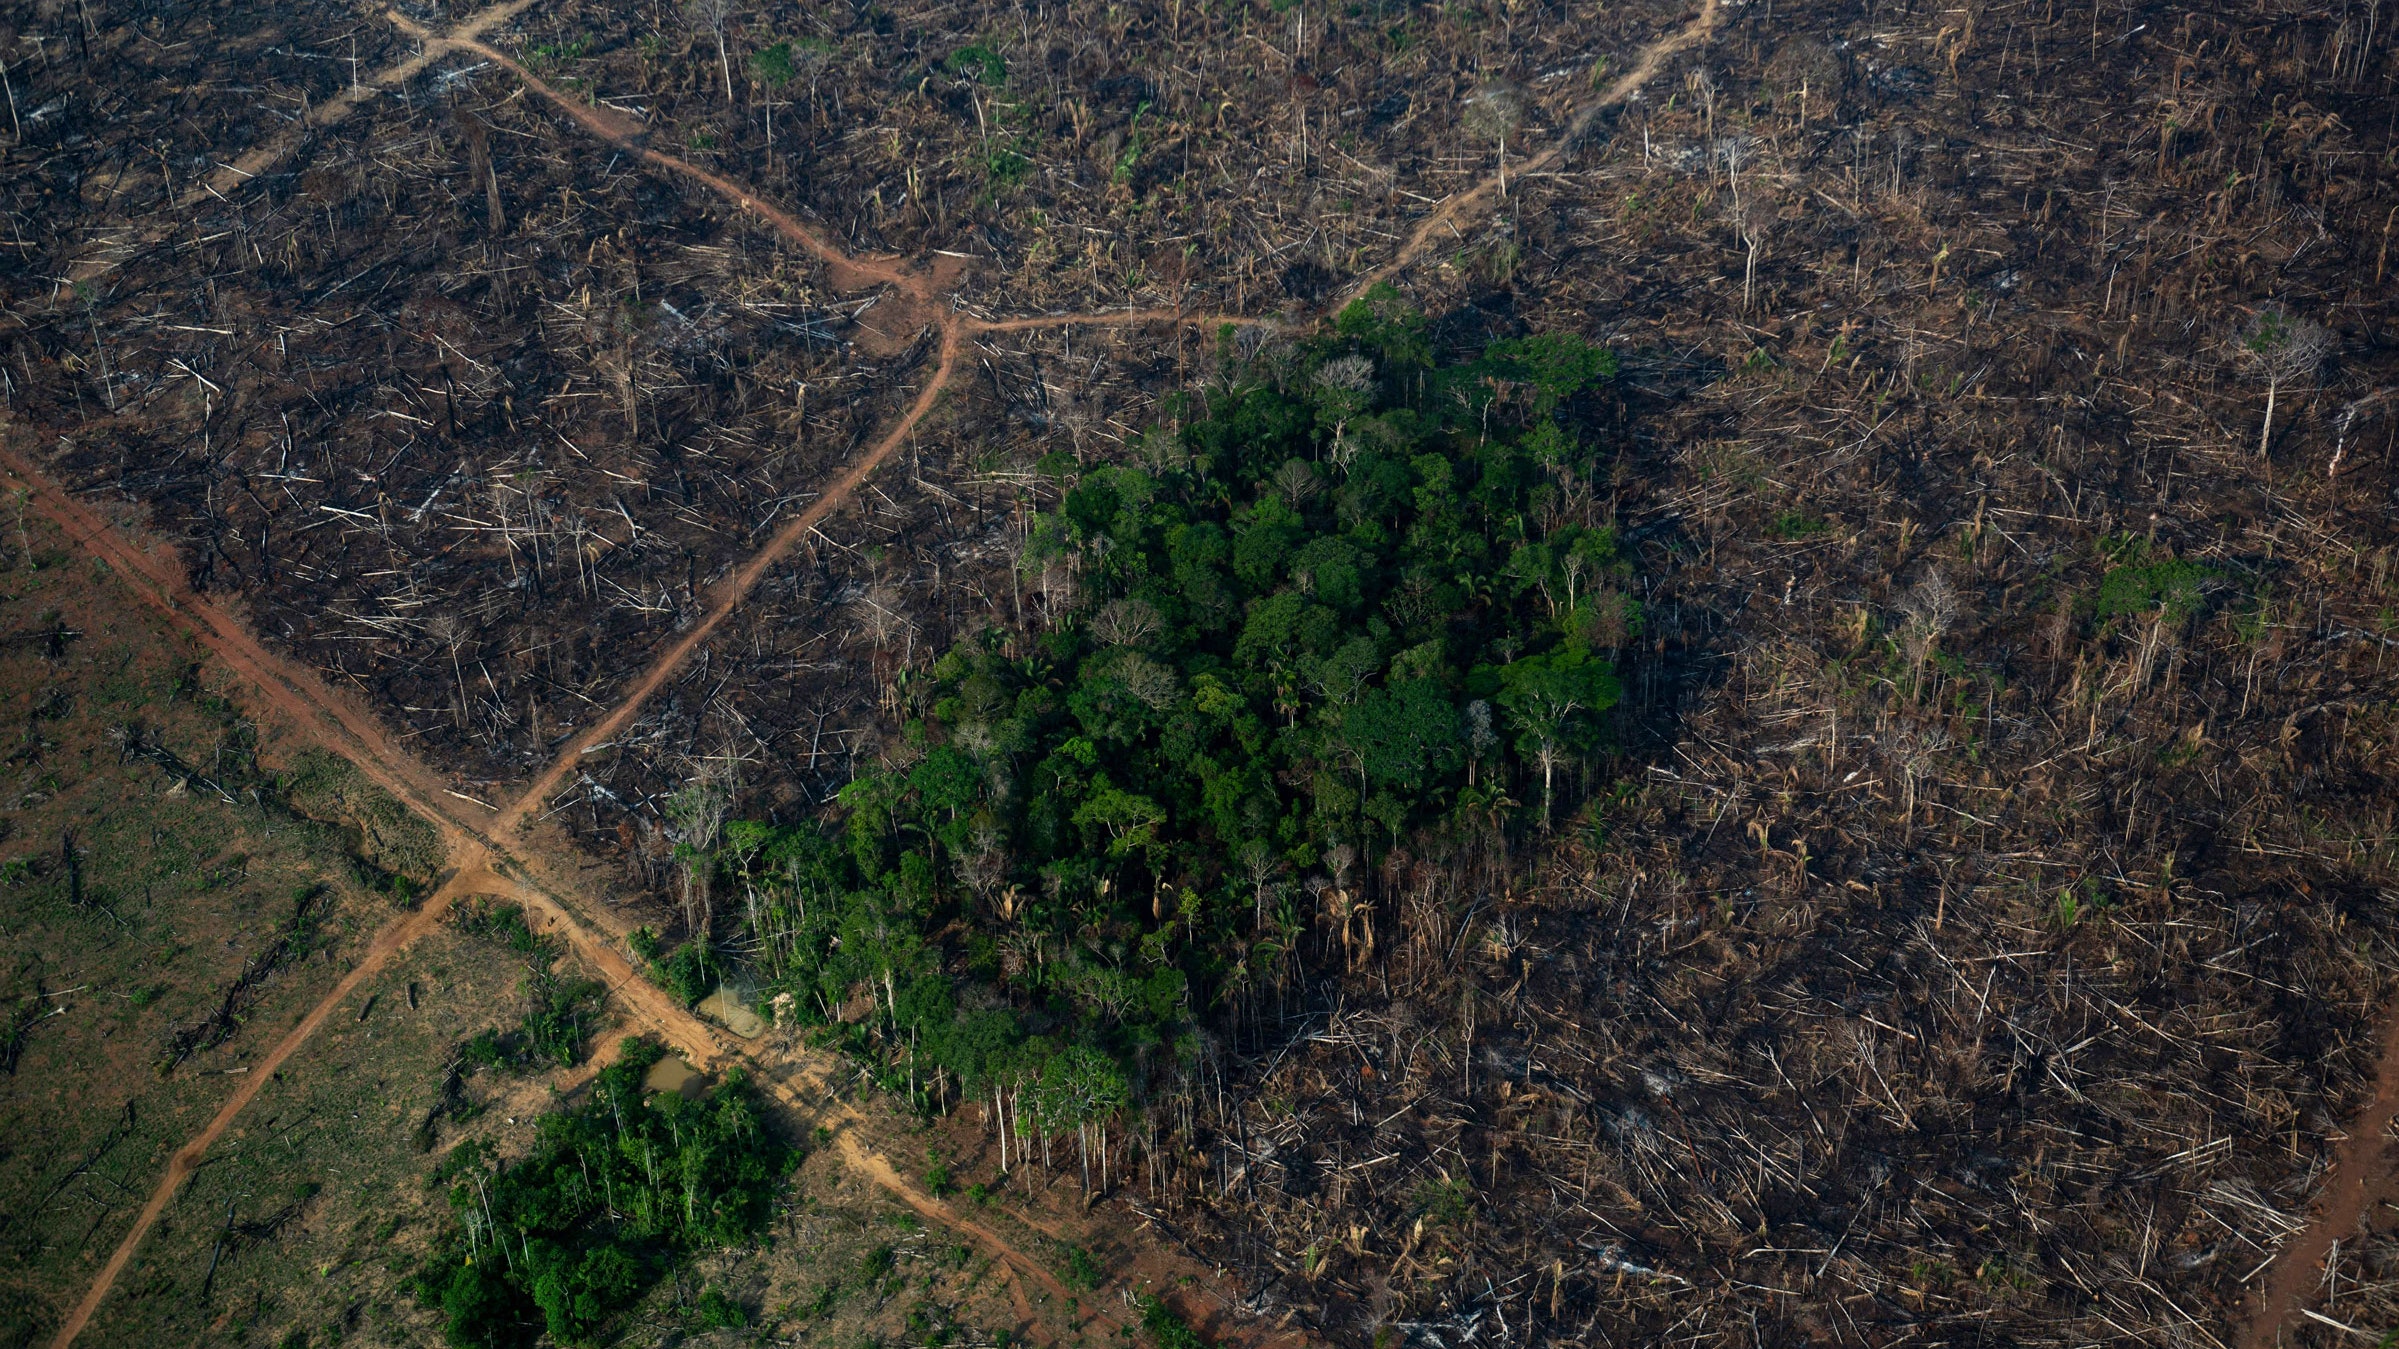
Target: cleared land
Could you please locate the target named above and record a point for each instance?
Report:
(1988, 927)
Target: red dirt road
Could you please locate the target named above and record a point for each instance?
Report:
(733, 590)
(1463, 205)
(2361, 1175)
(387, 943)
(491, 848)
(158, 577)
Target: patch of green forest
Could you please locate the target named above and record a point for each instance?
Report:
(1347, 598)
(616, 1189)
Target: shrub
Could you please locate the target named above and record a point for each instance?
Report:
(2175, 588)
(977, 62)
(502, 923)
(1444, 1203)
(773, 64)
(689, 972)
(1166, 1329)
(643, 942)
(718, 1311)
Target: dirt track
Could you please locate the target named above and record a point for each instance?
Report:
(492, 849)
(1462, 205)
(157, 576)
(734, 589)
(262, 158)
(388, 942)
(2360, 1175)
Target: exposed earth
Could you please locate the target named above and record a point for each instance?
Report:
(444, 445)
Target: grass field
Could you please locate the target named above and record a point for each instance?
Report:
(172, 904)
(181, 884)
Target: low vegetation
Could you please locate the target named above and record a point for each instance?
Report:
(172, 911)
(562, 1011)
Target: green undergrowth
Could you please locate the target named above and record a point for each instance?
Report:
(312, 1211)
(688, 971)
(1166, 1329)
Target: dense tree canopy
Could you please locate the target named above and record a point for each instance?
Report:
(1345, 596)
(616, 1188)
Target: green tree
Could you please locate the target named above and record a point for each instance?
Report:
(1408, 735)
(617, 1189)
(1380, 319)
(1130, 821)
(1553, 700)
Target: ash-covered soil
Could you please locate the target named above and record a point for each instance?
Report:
(1982, 924)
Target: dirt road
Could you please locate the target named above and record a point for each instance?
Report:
(492, 849)
(158, 577)
(390, 941)
(1483, 195)
(2361, 1175)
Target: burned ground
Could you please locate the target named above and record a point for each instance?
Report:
(1238, 157)
(1982, 926)
(431, 461)
(1979, 941)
